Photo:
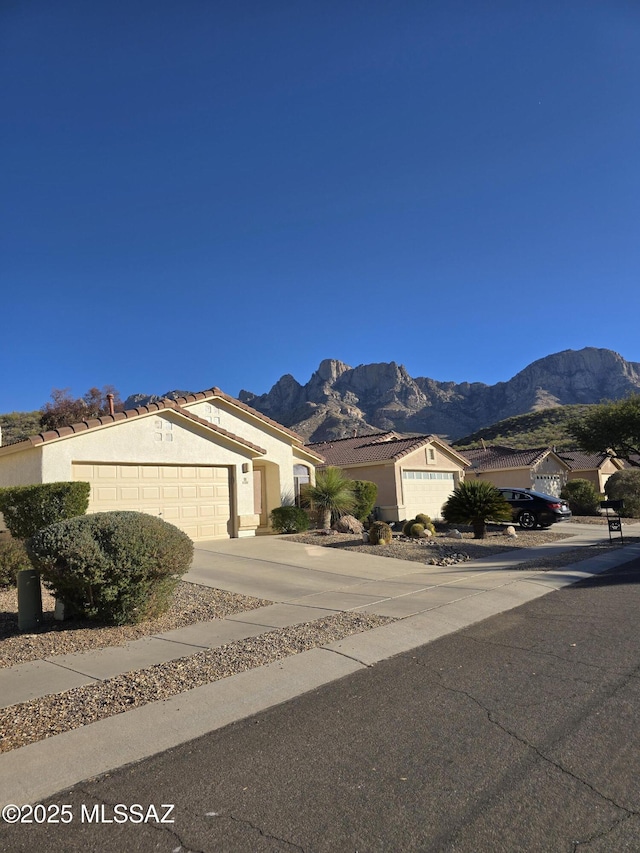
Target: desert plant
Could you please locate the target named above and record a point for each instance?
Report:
(380, 533)
(406, 527)
(582, 497)
(13, 558)
(27, 509)
(118, 567)
(365, 494)
(425, 520)
(476, 502)
(417, 530)
(289, 519)
(625, 485)
(332, 494)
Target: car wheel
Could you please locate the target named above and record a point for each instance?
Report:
(527, 520)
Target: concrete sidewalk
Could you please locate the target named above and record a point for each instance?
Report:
(306, 583)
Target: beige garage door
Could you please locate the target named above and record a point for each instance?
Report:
(426, 491)
(194, 498)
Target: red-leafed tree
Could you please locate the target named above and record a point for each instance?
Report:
(64, 409)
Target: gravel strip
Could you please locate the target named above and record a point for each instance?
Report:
(191, 603)
(38, 719)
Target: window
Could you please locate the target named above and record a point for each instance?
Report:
(427, 475)
(301, 477)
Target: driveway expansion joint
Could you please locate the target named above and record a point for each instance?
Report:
(349, 657)
(71, 669)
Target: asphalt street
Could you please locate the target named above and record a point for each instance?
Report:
(519, 733)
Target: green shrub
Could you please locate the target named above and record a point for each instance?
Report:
(582, 497)
(625, 485)
(117, 567)
(27, 509)
(365, 494)
(13, 558)
(380, 533)
(416, 530)
(289, 519)
(475, 502)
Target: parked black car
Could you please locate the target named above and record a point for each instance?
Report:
(535, 508)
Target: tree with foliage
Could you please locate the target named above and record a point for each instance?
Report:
(625, 486)
(65, 409)
(365, 494)
(613, 426)
(332, 494)
(476, 502)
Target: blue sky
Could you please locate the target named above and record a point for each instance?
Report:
(217, 193)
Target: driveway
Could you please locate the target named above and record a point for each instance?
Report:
(298, 575)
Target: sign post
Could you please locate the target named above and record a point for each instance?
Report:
(614, 521)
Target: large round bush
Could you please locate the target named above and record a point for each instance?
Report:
(117, 567)
(625, 485)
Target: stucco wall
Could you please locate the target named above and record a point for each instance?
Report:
(382, 475)
(278, 446)
(519, 478)
(20, 468)
(162, 438)
(598, 477)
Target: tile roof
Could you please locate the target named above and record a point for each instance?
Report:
(581, 461)
(497, 458)
(375, 447)
(93, 423)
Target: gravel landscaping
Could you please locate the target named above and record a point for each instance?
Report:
(38, 719)
(50, 715)
(191, 603)
(421, 550)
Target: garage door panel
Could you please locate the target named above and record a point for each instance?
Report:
(426, 491)
(195, 499)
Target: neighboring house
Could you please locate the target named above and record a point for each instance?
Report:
(594, 467)
(207, 463)
(413, 475)
(540, 469)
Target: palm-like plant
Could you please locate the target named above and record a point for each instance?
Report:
(475, 503)
(332, 494)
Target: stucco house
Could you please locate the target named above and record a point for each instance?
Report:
(540, 468)
(207, 463)
(594, 467)
(413, 475)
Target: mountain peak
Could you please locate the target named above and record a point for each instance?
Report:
(383, 396)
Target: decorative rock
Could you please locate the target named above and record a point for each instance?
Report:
(348, 524)
(455, 534)
(365, 537)
(511, 532)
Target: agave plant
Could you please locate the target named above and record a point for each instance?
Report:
(475, 503)
(332, 494)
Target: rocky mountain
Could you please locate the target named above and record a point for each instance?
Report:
(339, 399)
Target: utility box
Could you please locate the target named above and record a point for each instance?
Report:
(29, 600)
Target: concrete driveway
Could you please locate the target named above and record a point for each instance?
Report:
(298, 575)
